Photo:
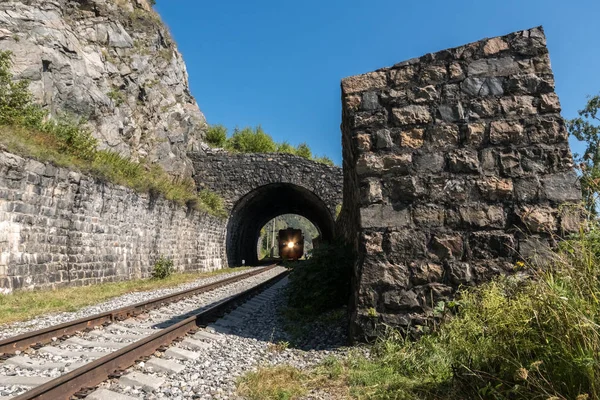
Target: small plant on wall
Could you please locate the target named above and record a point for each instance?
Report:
(163, 268)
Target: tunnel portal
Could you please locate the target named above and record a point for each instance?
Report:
(264, 203)
(258, 187)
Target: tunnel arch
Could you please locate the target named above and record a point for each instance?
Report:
(257, 207)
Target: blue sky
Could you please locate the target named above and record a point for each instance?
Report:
(279, 63)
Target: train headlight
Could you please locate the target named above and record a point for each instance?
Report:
(290, 245)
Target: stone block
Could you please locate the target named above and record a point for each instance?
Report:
(382, 215)
(407, 188)
(506, 132)
(427, 94)
(475, 134)
(428, 162)
(370, 101)
(411, 115)
(481, 86)
(383, 139)
(444, 247)
(412, 138)
(510, 164)
(369, 164)
(495, 189)
(434, 74)
(361, 83)
(527, 189)
(480, 108)
(371, 192)
(428, 215)
(536, 250)
(459, 273)
(518, 105)
(404, 246)
(529, 84)
(401, 300)
(451, 112)
(463, 161)
(397, 163)
(370, 119)
(482, 216)
(401, 76)
(491, 244)
(538, 219)
(492, 67)
(562, 187)
(444, 135)
(494, 46)
(426, 272)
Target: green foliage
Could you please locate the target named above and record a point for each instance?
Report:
(586, 128)
(256, 140)
(16, 105)
(285, 147)
(250, 140)
(216, 135)
(512, 338)
(163, 268)
(324, 160)
(304, 151)
(26, 129)
(213, 202)
(282, 222)
(322, 282)
(117, 96)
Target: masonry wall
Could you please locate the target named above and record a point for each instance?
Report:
(456, 165)
(234, 175)
(58, 228)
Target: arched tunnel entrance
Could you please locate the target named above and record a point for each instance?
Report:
(264, 203)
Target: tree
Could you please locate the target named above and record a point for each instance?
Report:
(216, 135)
(304, 151)
(285, 147)
(586, 128)
(16, 102)
(325, 160)
(250, 140)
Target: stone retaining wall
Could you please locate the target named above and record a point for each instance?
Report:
(456, 165)
(58, 228)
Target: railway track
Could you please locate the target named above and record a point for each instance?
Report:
(100, 346)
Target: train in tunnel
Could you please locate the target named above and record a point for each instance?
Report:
(291, 244)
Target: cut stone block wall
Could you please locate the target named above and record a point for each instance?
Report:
(456, 165)
(58, 228)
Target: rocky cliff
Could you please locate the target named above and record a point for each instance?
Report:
(113, 63)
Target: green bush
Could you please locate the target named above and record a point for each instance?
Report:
(163, 268)
(304, 151)
(285, 147)
(216, 136)
(250, 140)
(28, 130)
(322, 282)
(512, 338)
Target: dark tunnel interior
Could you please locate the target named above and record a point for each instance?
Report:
(261, 205)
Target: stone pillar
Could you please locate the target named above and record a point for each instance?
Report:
(455, 165)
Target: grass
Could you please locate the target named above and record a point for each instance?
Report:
(27, 130)
(280, 383)
(512, 338)
(24, 305)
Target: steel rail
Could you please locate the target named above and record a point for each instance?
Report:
(21, 342)
(92, 374)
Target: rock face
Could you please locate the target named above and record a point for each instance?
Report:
(456, 165)
(59, 228)
(113, 63)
